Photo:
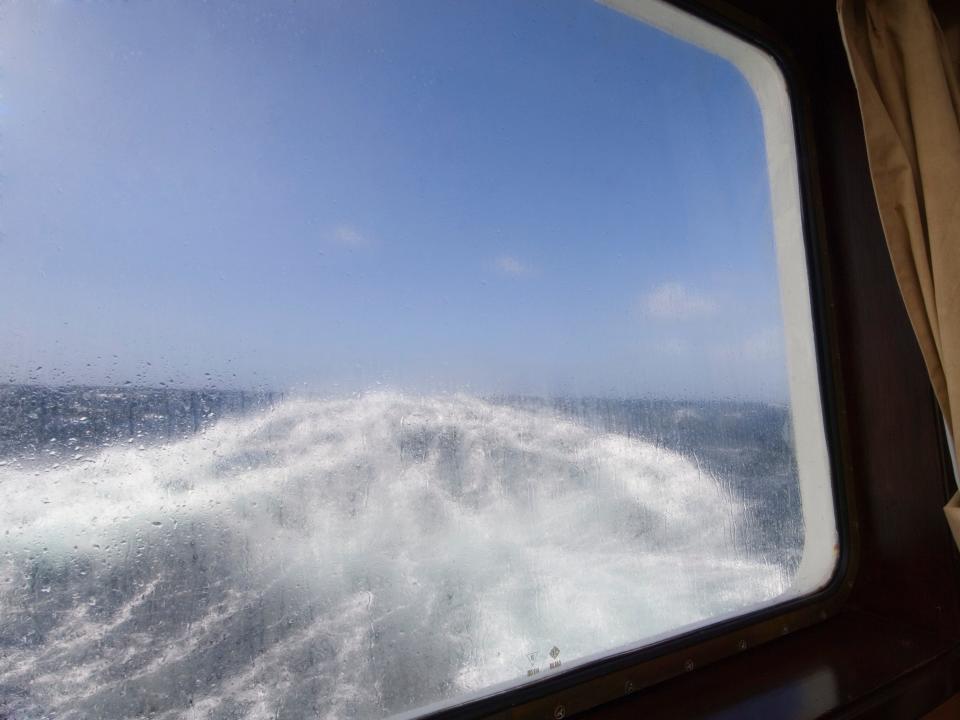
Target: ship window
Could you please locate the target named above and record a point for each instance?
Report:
(361, 358)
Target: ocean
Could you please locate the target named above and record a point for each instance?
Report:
(224, 554)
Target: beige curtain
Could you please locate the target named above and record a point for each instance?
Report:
(905, 58)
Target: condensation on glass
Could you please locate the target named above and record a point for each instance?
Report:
(360, 358)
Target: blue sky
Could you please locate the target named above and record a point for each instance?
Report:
(537, 196)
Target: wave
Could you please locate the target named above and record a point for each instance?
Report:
(353, 558)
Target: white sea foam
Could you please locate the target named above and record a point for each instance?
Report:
(352, 558)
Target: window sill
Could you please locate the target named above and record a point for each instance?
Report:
(853, 665)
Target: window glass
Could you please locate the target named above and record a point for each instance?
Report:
(363, 357)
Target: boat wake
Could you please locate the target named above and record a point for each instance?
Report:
(352, 558)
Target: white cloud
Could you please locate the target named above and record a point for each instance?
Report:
(509, 265)
(764, 346)
(349, 236)
(673, 301)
